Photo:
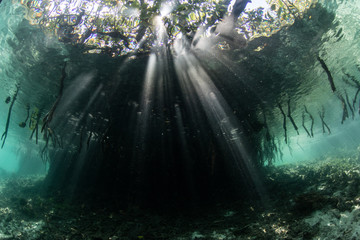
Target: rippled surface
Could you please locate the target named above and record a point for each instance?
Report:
(123, 27)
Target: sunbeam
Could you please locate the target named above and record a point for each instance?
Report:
(147, 100)
(196, 83)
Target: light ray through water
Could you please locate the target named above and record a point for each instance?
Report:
(195, 81)
(197, 88)
(156, 82)
(147, 100)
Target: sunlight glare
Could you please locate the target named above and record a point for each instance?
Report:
(256, 4)
(161, 35)
(166, 9)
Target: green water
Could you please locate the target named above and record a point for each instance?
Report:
(180, 105)
(33, 60)
(9, 162)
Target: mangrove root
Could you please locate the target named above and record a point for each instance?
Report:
(323, 123)
(354, 100)
(312, 121)
(291, 119)
(355, 82)
(303, 124)
(23, 124)
(50, 133)
(88, 141)
(36, 128)
(345, 111)
(331, 80)
(349, 105)
(352, 81)
(284, 123)
(48, 117)
(4, 135)
(269, 148)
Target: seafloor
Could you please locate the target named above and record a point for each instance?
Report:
(312, 200)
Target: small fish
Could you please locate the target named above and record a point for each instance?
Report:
(7, 100)
(22, 124)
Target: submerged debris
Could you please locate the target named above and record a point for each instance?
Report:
(306, 203)
(309, 200)
(8, 99)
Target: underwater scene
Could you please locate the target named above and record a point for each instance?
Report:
(179, 119)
